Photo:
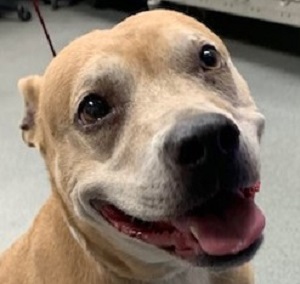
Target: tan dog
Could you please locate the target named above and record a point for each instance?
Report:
(151, 140)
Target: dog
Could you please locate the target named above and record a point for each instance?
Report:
(151, 140)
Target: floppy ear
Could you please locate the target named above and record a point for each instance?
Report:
(30, 87)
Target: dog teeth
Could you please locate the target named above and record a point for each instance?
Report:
(194, 232)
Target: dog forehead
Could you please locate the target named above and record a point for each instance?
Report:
(156, 21)
(148, 32)
(141, 37)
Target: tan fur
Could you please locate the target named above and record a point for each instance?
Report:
(30, 89)
(63, 245)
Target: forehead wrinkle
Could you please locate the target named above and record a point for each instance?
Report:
(107, 75)
(106, 66)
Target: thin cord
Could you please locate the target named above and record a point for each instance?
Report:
(38, 12)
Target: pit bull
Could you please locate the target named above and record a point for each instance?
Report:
(151, 141)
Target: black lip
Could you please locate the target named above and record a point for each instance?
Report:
(223, 262)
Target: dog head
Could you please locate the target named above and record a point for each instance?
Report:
(151, 139)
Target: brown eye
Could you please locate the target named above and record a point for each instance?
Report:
(209, 57)
(92, 109)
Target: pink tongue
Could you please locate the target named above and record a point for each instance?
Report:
(230, 232)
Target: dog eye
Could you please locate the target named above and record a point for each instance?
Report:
(209, 56)
(92, 109)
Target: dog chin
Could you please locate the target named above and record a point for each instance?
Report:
(138, 249)
(126, 244)
(203, 239)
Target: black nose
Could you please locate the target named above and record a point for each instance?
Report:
(202, 141)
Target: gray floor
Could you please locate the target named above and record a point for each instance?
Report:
(274, 80)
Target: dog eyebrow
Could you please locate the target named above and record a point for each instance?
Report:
(111, 80)
(104, 67)
(105, 80)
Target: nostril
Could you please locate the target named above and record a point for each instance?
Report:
(200, 141)
(228, 138)
(191, 152)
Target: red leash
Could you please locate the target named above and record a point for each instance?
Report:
(42, 22)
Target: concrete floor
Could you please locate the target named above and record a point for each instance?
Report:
(273, 78)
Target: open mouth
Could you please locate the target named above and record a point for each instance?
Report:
(228, 225)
